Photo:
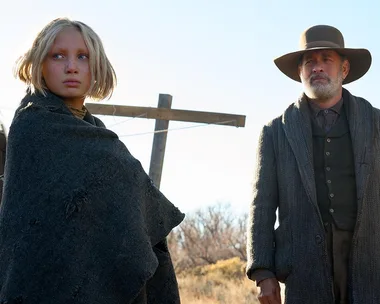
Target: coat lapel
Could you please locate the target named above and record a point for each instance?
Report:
(359, 114)
(297, 127)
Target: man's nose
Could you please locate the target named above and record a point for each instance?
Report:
(317, 68)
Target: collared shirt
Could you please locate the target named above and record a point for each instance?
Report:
(78, 113)
(325, 118)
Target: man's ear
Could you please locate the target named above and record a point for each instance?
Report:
(345, 68)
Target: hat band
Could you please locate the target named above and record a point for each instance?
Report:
(325, 44)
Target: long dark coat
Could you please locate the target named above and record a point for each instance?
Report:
(296, 250)
(80, 221)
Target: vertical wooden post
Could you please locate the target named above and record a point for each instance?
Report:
(159, 142)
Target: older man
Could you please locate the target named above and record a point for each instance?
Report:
(319, 166)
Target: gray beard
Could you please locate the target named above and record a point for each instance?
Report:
(320, 91)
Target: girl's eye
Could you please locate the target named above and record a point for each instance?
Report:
(83, 56)
(57, 56)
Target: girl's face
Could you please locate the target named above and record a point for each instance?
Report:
(66, 68)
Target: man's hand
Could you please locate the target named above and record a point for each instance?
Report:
(269, 292)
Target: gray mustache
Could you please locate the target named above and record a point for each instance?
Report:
(312, 78)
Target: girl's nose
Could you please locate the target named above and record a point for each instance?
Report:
(71, 66)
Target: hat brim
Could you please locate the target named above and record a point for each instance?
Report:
(360, 62)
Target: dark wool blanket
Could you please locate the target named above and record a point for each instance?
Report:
(80, 220)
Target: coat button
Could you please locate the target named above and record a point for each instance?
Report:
(318, 239)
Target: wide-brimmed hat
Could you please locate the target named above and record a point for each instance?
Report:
(325, 37)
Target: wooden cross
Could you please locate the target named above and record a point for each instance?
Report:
(163, 114)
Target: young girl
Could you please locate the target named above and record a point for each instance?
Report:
(80, 221)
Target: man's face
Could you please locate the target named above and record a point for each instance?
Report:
(322, 73)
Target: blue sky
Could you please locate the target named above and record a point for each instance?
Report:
(211, 56)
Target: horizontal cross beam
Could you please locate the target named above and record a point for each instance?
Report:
(167, 114)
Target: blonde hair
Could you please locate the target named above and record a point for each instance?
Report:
(29, 66)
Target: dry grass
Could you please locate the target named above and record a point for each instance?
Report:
(223, 282)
